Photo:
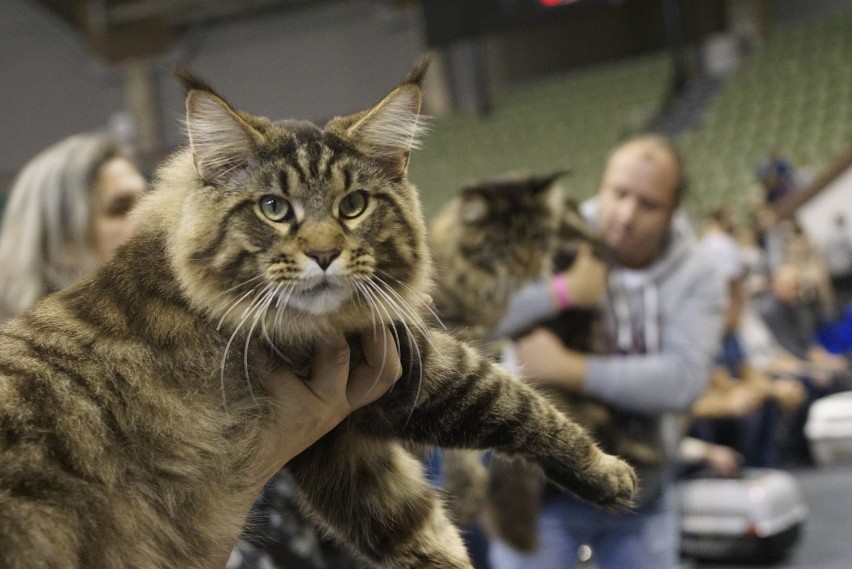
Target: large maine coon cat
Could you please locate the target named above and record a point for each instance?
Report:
(129, 403)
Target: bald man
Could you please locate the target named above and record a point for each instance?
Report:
(662, 308)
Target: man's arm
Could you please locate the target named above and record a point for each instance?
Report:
(650, 383)
(585, 285)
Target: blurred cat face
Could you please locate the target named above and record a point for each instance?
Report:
(118, 185)
(508, 224)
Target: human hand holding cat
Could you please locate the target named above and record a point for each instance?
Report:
(304, 411)
(545, 359)
(585, 281)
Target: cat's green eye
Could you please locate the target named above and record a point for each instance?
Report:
(353, 204)
(275, 208)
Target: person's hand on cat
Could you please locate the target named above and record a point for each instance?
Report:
(307, 410)
(585, 280)
(544, 359)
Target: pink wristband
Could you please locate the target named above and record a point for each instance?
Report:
(560, 291)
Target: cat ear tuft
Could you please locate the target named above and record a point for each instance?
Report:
(418, 72)
(392, 129)
(190, 81)
(541, 183)
(221, 141)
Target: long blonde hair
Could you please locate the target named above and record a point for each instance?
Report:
(45, 233)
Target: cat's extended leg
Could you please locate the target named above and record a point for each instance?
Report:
(372, 494)
(465, 400)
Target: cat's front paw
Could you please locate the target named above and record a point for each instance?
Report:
(608, 481)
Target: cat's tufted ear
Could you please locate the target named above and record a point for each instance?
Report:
(394, 127)
(220, 139)
(541, 183)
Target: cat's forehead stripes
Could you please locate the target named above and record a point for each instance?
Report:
(313, 162)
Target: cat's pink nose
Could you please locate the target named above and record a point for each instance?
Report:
(323, 257)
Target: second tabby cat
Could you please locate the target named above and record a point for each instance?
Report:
(493, 237)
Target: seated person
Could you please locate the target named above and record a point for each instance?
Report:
(794, 329)
(819, 372)
(743, 407)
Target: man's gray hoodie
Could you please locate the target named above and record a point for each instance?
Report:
(663, 327)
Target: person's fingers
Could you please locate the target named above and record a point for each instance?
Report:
(586, 278)
(330, 368)
(378, 372)
(584, 251)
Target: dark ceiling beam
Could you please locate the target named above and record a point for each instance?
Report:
(791, 203)
(179, 12)
(118, 30)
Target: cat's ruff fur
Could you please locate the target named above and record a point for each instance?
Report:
(130, 406)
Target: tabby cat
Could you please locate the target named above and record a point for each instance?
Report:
(490, 239)
(130, 404)
(493, 237)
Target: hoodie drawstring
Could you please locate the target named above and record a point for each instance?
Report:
(622, 317)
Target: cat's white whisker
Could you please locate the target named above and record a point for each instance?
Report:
(263, 323)
(233, 305)
(404, 306)
(412, 340)
(281, 304)
(260, 309)
(379, 308)
(366, 293)
(361, 289)
(237, 286)
(404, 284)
(281, 298)
(246, 313)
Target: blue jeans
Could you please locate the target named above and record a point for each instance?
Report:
(647, 538)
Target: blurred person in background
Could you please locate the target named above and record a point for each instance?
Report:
(777, 177)
(67, 212)
(785, 332)
(662, 318)
(815, 287)
(744, 408)
(700, 457)
(720, 244)
(838, 255)
(792, 323)
(755, 266)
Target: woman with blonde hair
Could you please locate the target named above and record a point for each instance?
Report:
(65, 214)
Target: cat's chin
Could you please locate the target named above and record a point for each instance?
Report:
(324, 301)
